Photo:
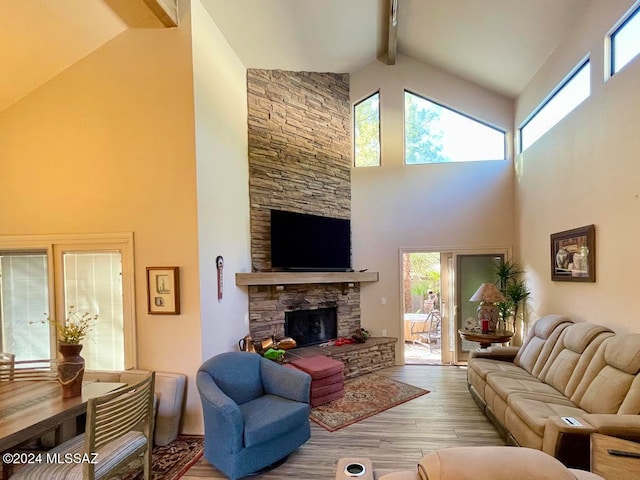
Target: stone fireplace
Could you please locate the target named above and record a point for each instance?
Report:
(268, 306)
(300, 157)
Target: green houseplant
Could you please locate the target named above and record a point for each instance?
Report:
(514, 290)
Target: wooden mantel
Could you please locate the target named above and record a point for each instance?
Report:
(292, 278)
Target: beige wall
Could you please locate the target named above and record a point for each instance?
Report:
(108, 146)
(584, 170)
(432, 207)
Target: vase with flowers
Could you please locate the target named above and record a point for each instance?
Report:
(71, 332)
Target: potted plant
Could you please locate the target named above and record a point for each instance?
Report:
(514, 290)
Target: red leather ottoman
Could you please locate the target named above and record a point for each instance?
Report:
(326, 378)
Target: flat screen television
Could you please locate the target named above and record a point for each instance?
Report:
(311, 243)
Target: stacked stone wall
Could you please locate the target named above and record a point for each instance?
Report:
(299, 139)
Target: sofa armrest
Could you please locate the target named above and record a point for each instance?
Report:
(223, 422)
(568, 443)
(505, 354)
(616, 425)
(557, 431)
(285, 382)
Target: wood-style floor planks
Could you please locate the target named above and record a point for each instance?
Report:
(394, 439)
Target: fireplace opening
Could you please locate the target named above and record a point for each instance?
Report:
(310, 327)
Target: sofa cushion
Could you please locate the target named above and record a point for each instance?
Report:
(623, 352)
(483, 366)
(579, 335)
(108, 457)
(505, 386)
(572, 354)
(538, 344)
(534, 412)
(607, 391)
(283, 416)
(609, 378)
(495, 463)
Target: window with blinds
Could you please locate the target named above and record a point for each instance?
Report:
(93, 284)
(24, 299)
(45, 277)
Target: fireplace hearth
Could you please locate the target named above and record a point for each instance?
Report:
(311, 327)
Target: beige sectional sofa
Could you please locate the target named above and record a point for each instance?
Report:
(563, 369)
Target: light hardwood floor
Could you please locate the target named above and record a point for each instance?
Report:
(394, 439)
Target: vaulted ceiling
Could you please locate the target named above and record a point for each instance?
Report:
(498, 44)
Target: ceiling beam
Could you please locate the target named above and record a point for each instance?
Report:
(392, 33)
(165, 10)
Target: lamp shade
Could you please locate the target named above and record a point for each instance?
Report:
(488, 292)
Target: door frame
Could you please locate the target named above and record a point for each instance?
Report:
(448, 289)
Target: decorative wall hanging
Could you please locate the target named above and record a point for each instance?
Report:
(163, 290)
(219, 267)
(573, 255)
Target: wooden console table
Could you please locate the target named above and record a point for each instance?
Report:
(485, 339)
(621, 466)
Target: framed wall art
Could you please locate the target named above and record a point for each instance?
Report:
(163, 290)
(573, 255)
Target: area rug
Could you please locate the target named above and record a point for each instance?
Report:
(364, 397)
(169, 462)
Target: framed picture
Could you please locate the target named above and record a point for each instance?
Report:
(573, 255)
(163, 290)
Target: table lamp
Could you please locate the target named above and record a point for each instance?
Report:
(487, 313)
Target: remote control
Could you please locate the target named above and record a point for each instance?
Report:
(571, 421)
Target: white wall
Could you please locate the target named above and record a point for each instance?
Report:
(585, 170)
(434, 207)
(223, 182)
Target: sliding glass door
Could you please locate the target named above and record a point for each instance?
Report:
(471, 271)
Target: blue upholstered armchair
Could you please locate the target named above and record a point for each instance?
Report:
(256, 412)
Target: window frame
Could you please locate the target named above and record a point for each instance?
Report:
(353, 110)
(632, 13)
(505, 148)
(55, 246)
(586, 61)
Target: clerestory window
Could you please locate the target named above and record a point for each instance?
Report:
(625, 41)
(565, 97)
(436, 134)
